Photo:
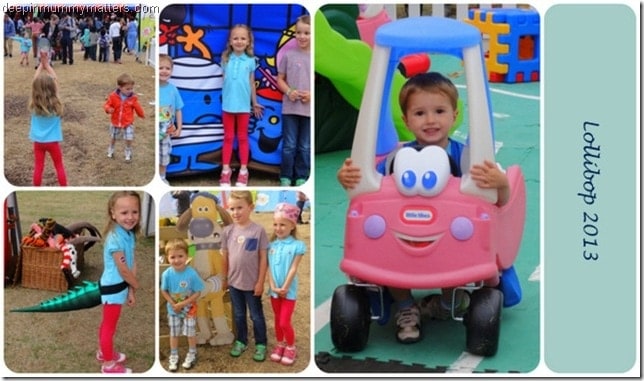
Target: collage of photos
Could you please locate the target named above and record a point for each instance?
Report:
(272, 190)
(198, 259)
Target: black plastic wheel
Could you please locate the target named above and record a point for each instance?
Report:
(350, 318)
(483, 322)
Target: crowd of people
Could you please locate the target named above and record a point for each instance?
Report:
(98, 35)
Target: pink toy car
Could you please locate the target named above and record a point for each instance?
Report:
(421, 227)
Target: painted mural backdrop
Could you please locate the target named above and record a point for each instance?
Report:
(195, 35)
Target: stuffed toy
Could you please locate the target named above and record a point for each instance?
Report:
(68, 240)
(70, 256)
(43, 233)
(201, 222)
(85, 295)
(35, 237)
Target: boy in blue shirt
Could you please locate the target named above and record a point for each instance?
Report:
(181, 286)
(170, 116)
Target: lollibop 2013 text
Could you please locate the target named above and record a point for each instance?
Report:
(590, 219)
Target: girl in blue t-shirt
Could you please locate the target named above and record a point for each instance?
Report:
(118, 282)
(46, 130)
(239, 99)
(284, 255)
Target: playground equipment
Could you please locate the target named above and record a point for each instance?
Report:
(513, 54)
(430, 234)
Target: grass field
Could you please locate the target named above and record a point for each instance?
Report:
(84, 87)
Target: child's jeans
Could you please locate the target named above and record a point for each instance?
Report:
(296, 147)
(241, 300)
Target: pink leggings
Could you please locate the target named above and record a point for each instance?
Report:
(40, 149)
(232, 120)
(107, 329)
(283, 311)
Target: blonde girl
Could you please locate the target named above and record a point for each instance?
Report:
(118, 282)
(46, 131)
(284, 255)
(238, 92)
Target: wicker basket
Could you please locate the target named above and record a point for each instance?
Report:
(41, 267)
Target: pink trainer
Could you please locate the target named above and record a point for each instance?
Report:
(116, 368)
(224, 180)
(242, 179)
(119, 357)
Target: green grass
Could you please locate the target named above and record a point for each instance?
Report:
(63, 206)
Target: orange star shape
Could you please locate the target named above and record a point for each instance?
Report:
(192, 40)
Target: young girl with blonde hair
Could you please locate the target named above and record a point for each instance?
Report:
(46, 131)
(118, 281)
(239, 99)
(285, 253)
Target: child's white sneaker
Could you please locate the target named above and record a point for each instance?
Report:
(189, 362)
(173, 362)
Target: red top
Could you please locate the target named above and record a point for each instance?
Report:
(124, 109)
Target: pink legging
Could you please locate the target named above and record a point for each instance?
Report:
(107, 329)
(283, 311)
(232, 120)
(40, 149)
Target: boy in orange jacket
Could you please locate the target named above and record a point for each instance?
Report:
(121, 104)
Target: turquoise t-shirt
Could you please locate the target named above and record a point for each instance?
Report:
(45, 129)
(236, 90)
(117, 240)
(180, 285)
(170, 102)
(281, 254)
